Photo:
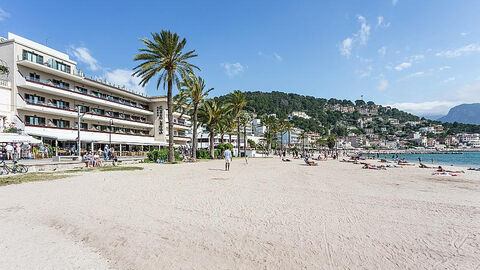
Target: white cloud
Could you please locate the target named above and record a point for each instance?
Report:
(381, 22)
(426, 108)
(274, 56)
(444, 68)
(465, 50)
(382, 51)
(366, 72)
(346, 47)
(364, 31)
(382, 85)
(123, 77)
(416, 74)
(3, 14)
(394, 2)
(83, 55)
(403, 66)
(232, 69)
(463, 34)
(416, 58)
(449, 79)
(361, 37)
(278, 57)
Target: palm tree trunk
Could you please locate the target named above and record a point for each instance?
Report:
(171, 156)
(245, 140)
(230, 137)
(212, 138)
(238, 136)
(194, 137)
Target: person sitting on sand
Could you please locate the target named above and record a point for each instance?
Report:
(310, 162)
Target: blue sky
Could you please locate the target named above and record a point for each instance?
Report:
(421, 56)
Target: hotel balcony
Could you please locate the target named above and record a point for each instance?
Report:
(79, 78)
(90, 135)
(47, 108)
(50, 88)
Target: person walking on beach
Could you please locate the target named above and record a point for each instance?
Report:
(228, 158)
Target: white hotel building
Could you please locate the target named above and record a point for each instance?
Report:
(44, 91)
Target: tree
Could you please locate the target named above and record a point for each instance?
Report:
(359, 103)
(192, 95)
(163, 57)
(236, 102)
(331, 142)
(210, 113)
(244, 121)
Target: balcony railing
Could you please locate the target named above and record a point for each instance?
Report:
(51, 105)
(67, 88)
(90, 130)
(5, 83)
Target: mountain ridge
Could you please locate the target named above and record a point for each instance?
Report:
(463, 113)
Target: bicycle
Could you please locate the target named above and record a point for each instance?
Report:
(16, 168)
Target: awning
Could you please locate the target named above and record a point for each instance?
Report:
(14, 138)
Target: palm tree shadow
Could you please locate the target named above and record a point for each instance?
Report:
(210, 169)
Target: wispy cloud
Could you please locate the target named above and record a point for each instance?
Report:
(381, 22)
(361, 37)
(449, 79)
(463, 34)
(83, 55)
(416, 74)
(364, 32)
(394, 2)
(232, 69)
(274, 56)
(444, 68)
(123, 77)
(382, 85)
(382, 51)
(346, 48)
(403, 66)
(465, 50)
(3, 14)
(416, 58)
(278, 57)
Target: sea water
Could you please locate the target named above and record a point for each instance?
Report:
(465, 159)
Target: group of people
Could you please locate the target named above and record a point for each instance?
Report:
(15, 151)
(92, 159)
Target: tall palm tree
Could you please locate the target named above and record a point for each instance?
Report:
(163, 57)
(210, 114)
(269, 121)
(192, 95)
(236, 102)
(244, 120)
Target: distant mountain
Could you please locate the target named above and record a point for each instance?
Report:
(464, 113)
(433, 117)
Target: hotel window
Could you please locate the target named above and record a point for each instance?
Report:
(81, 90)
(32, 57)
(98, 111)
(34, 77)
(34, 99)
(59, 66)
(61, 104)
(61, 123)
(99, 127)
(35, 121)
(83, 108)
(83, 126)
(61, 84)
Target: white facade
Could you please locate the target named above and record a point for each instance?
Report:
(44, 92)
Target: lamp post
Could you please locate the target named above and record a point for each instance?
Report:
(79, 124)
(110, 134)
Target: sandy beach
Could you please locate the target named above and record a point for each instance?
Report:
(267, 214)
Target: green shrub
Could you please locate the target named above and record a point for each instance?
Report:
(203, 154)
(161, 155)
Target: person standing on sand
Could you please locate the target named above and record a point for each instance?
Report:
(228, 158)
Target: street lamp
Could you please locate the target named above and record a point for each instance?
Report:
(110, 134)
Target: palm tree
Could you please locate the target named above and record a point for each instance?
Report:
(192, 95)
(269, 122)
(210, 114)
(244, 120)
(303, 136)
(163, 57)
(236, 102)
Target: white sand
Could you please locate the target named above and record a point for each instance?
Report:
(267, 214)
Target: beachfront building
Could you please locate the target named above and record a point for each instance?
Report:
(299, 114)
(46, 94)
